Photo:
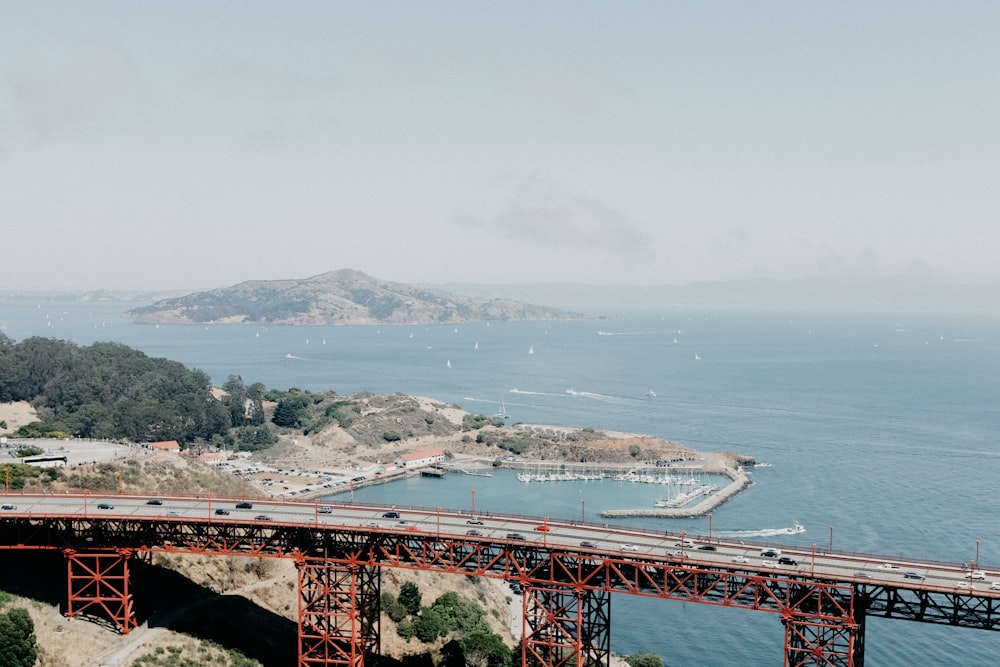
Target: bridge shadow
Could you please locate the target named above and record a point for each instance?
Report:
(165, 598)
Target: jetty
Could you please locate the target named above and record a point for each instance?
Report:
(739, 481)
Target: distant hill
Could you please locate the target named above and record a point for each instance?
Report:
(336, 298)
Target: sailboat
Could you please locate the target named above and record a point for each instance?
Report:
(501, 411)
(531, 349)
(449, 363)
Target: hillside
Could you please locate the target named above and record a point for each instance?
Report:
(336, 298)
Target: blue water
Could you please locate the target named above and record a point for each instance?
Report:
(882, 430)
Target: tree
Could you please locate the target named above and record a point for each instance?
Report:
(644, 660)
(428, 626)
(17, 639)
(409, 597)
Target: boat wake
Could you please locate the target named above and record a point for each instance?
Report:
(291, 356)
(794, 529)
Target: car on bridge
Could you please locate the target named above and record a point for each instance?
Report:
(587, 544)
(154, 501)
(515, 536)
(995, 586)
(707, 547)
(787, 560)
(222, 512)
(769, 563)
(8, 508)
(245, 505)
(325, 509)
(770, 553)
(105, 506)
(740, 559)
(978, 575)
(262, 517)
(390, 515)
(473, 532)
(913, 575)
(474, 521)
(888, 566)
(628, 546)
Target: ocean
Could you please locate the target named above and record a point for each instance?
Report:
(881, 431)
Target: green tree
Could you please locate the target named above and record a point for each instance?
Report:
(409, 597)
(644, 660)
(428, 626)
(17, 639)
(486, 649)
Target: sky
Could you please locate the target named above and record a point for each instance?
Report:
(189, 145)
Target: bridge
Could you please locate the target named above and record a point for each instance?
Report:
(568, 570)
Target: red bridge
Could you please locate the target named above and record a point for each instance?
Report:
(567, 570)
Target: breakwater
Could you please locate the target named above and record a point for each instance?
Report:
(739, 481)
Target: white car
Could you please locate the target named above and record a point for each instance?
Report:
(995, 586)
(740, 559)
(887, 566)
(769, 563)
(979, 575)
(629, 547)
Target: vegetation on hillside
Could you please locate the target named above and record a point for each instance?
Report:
(109, 390)
(17, 636)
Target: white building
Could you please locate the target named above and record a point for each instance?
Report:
(420, 459)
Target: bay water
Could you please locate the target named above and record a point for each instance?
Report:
(881, 431)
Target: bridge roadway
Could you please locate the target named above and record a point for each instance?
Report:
(667, 565)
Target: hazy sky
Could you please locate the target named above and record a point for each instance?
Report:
(199, 144)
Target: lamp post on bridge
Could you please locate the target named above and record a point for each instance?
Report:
(977, 554)
(812, 569)
(473, 492)
(709, 527)
(831, 539)
(584, 514)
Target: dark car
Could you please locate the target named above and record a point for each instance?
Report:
(473, 532)
(262, 517)
(390, 515)
(8, 507)
(105, 506)
(787, 560)
(707, 547)
(515, 536)
(912, 575)
(222, 512)
(769, 553)
(588, 544)
(244, 505)
(154, 501)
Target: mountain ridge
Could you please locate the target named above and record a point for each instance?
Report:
(342, 297)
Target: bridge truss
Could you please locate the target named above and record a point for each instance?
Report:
(566, 601)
